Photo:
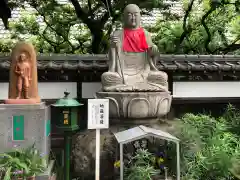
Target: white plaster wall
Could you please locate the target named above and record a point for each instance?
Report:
(54, 90)
(89, 89)
(47, 90)
(206, 89)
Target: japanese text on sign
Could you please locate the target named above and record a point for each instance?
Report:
(98, 113)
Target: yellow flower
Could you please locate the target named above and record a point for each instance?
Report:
(117, 164)
(160, 161)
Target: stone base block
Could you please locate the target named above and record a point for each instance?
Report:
(137, 105)
(84, 149)
(22, 125)
(22, 101)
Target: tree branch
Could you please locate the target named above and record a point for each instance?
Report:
(232, 47)
(209, 36)
(186, 30)
(53, 44)
(80, 46)
(90, 8)
(65, 39)
(229, 47)
(108, 14)
(224, 38)
(80, 13)
(97, 5)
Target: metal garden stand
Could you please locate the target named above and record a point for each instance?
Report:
(66, 111)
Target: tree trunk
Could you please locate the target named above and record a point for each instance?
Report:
(99, 42)
(97, 36)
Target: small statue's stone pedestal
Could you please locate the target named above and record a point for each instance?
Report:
(22, 101)
(22, 125)
(137, 105)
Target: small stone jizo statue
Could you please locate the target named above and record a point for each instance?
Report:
(132, 58)
(23, 71)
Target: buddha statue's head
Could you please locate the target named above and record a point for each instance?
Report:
(132, 16)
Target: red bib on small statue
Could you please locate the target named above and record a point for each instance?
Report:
(134, 40)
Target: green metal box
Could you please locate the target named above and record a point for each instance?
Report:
(66, 111)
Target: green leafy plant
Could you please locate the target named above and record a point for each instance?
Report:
(22, 163)
(141, 167)
(58, 171)
(209, 146)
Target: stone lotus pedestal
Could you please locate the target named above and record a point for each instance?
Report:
(137, 105)
(22, 125)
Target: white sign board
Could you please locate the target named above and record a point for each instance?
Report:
(98, 113)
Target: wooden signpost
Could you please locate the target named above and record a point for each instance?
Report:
(98, 118)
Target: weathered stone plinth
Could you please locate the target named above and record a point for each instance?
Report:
(22, 125)
(85, 145)
(137, 105)
(22, 101)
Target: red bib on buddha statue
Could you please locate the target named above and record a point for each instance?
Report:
(134, 40)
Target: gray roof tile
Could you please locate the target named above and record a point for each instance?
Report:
(184, 63)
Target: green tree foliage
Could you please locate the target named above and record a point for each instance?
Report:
(75, 27)
(204, 27)
(208, 27)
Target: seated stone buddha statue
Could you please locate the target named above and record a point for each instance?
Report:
(132, 58)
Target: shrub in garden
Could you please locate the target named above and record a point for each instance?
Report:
(22, 164)
(141, 166)
(210, 147)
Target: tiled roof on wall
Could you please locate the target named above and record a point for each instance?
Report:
(165, 62)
